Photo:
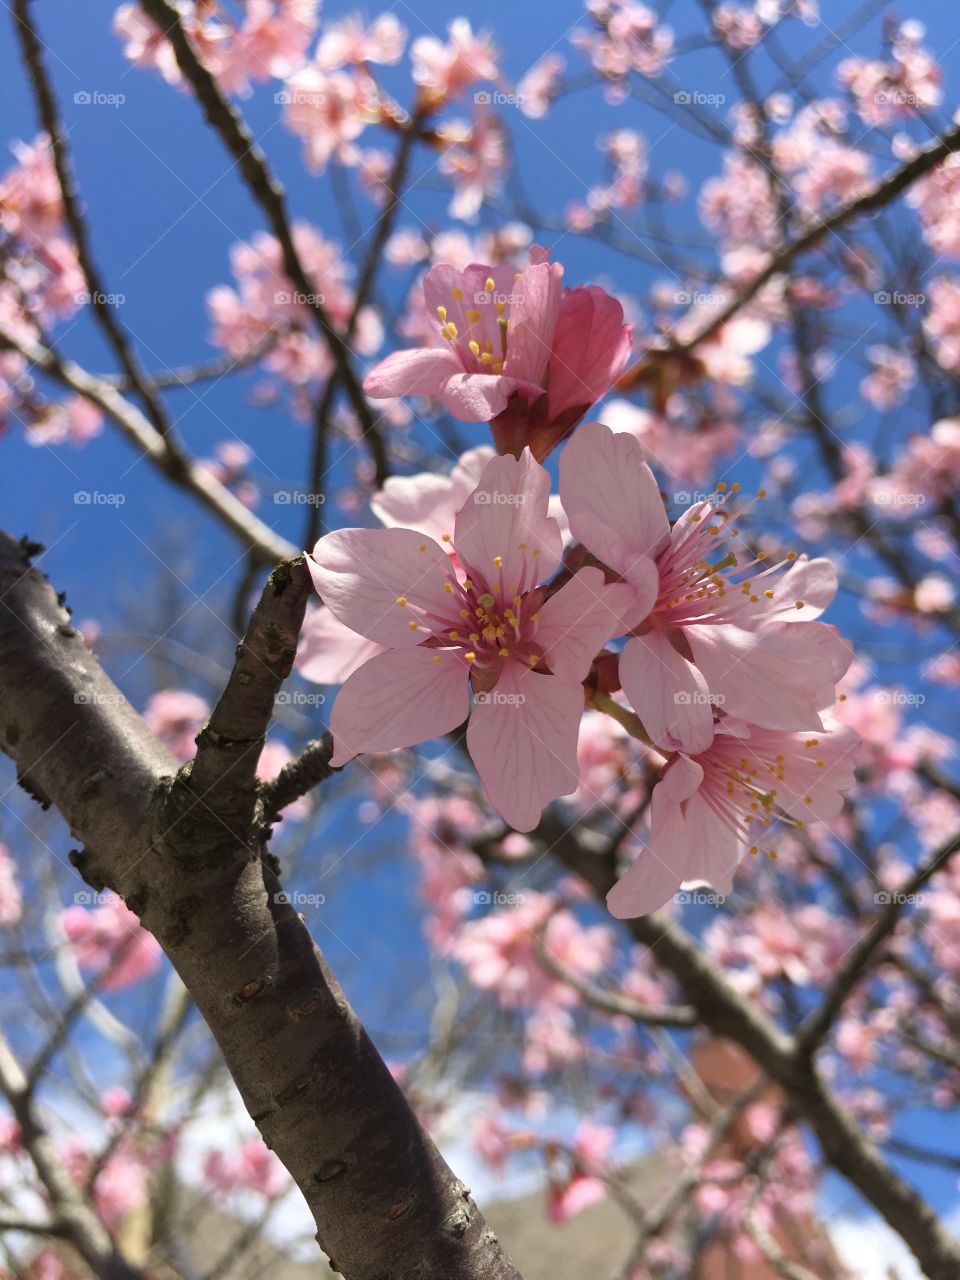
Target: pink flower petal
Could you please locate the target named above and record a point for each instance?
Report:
(612, 500)
(668, 693)
(590, 348)
(779, 677)
(522, 738)
(533, 319)
(477, 397)
(329, 651)
(506, 517)
(423, 371)
(429, 503)
(362, 573)
(578, 621)
(398, 699)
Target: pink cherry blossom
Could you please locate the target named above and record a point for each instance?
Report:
(892, 375)
(349, 42)
(11, 902)
(176, 716)
(583, 1184)
(475, 164)
(942, 324)
(514, 349)
(538, 87)
(446, 70)
(484, 625)
(329, 110)
(252, 1167)
(500, 952)
(936, 199)
(109, 940)
(709, 809)
(706, 633)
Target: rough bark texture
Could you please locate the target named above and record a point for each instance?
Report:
(387, 1206)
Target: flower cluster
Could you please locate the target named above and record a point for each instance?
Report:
(470, 609)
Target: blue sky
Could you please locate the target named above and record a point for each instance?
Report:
(165, 206)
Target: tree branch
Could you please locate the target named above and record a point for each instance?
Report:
(267, 546)
(384, 1200)
(271, 197)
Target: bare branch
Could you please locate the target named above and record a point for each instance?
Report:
(271, 197)
(266, 545)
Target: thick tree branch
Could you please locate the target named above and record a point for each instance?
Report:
(271, 197)
(385, 1202)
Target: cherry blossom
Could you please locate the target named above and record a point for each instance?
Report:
(514, 349)
(108, 941)
(711, 808)
(706, 634)
(447, 631)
